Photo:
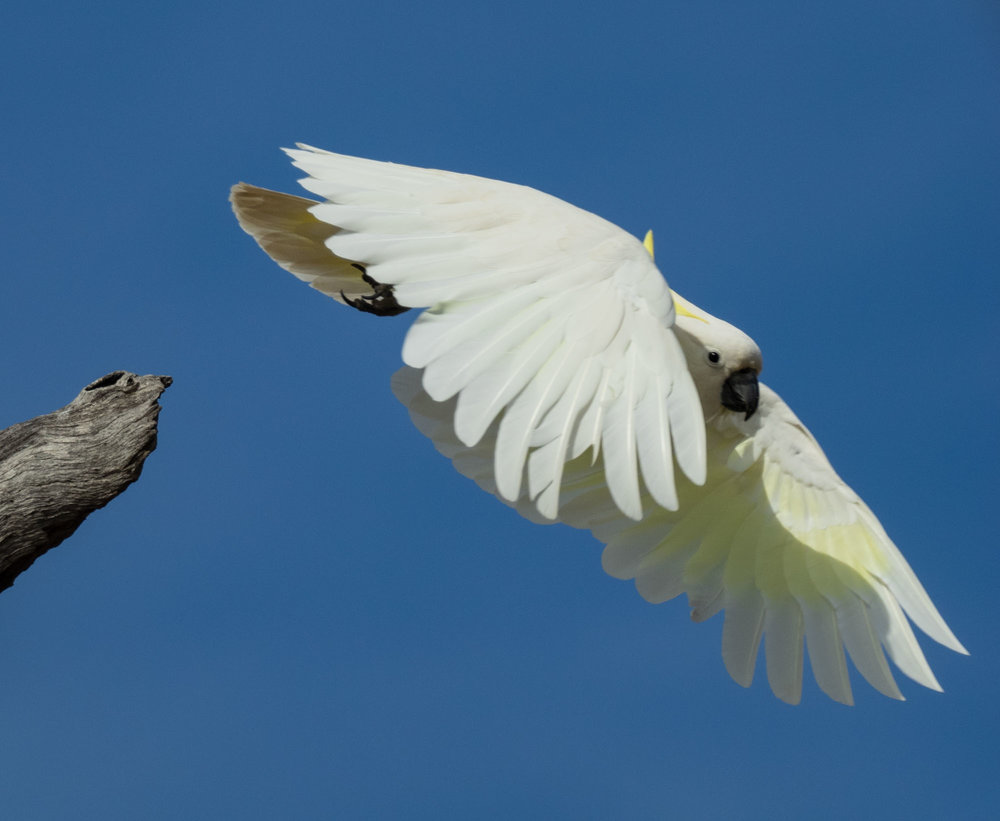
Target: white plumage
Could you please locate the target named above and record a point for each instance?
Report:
(555, 367)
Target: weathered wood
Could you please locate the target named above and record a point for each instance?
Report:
(56, 469)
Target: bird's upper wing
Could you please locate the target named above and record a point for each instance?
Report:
(774, 537)
(542, 315)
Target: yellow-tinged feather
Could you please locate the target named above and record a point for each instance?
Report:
(770, 560)
(685, 308)
(717, 538)
(742, 456)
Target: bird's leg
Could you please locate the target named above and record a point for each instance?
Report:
(382, 300)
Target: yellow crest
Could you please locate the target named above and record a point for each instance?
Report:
(681, 305)
(647, 243)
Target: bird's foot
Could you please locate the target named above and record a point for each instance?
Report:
(382, 300)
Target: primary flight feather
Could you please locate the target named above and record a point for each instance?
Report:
(555, 367)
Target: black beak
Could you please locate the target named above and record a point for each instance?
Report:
(741, 393)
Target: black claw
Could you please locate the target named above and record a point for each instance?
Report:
(382, 302)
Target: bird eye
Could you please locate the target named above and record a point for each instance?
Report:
(714, 357)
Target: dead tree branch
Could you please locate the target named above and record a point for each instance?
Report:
(57, 468)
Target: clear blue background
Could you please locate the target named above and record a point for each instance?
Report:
(300, 610)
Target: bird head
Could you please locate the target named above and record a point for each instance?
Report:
(724, 362)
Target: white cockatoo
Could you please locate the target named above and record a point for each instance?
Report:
(555, 367)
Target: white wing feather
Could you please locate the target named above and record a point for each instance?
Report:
(774, 537)
(538, 312)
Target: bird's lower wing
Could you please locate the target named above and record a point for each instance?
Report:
(774, 538)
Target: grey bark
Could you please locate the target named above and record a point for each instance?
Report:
(57, 468)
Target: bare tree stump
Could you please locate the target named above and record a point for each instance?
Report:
(57, 468)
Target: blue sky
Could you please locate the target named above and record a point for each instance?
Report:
(300, 610)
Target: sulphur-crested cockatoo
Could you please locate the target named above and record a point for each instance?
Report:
(555, 367)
